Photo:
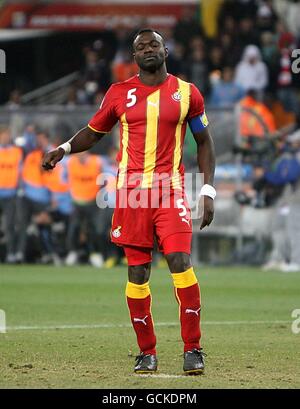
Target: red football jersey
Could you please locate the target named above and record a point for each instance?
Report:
(153, 122)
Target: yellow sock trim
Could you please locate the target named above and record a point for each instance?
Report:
(185, 279)
(137, 290)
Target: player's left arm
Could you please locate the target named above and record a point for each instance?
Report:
(206, 162)
(199, 126)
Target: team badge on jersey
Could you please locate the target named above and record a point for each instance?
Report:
(177, 96)
(116, 233)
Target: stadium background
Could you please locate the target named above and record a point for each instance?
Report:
(60, 59)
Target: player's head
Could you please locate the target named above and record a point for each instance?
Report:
(149, 50)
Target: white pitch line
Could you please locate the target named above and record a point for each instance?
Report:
(162, 375)
(158, 324)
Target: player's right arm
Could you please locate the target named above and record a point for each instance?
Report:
(83, 140)
(101, 123)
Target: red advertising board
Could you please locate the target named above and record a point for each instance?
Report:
(89, 17)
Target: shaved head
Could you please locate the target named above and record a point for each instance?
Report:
(149, 49)
(148, 30)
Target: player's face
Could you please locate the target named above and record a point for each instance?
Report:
(149, 51)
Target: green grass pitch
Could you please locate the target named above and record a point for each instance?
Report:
(69, 328)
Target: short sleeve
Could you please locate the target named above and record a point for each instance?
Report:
(105, 118)
(196, 103)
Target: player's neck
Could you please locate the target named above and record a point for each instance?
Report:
(153, 78)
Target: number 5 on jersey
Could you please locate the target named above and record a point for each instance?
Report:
(131, 97)
(183, 213)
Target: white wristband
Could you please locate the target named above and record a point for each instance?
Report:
(208, 190)
(66, 147)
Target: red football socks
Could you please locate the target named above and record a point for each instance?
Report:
(187, 292)
(139, 304)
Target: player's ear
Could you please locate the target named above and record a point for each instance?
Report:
(166, 52)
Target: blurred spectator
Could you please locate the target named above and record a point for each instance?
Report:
(196, 42)
(34, 202)
(215, 59)
(266, 17)
(71, 101)
(285, 87)
(124, 37)
(289, 12)
(276, 169)
(226, 92)
(256, 121)
(270, 55)
(293, 17)
(251, 73)
(176, 60)
(10, 166)
(124, 66)
(282, 117)
(82, 172)
(96, 75)
(230, 48)
(285, 223)
(197, 69)
(187, 26)
(170, 42)
(14, 101)
(281, 249)
(27, 140)
(247, 34)
(227, 25)
(81, 94)
(284, 170)
(60, 208)
(238, 9)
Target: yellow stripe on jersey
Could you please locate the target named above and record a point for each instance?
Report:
(124, 160)
(184, 91)
(151, 138)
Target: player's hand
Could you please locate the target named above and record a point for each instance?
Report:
(51, 158)
(208, 212)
